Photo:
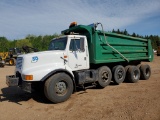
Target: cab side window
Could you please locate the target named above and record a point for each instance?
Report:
(77, 45)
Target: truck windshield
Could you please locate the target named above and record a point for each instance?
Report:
(58, 44)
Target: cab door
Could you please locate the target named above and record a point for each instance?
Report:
(78, 57)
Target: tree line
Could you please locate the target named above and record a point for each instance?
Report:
(41, 42)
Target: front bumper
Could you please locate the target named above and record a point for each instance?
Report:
(12, 80)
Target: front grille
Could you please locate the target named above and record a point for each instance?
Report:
(19, 62)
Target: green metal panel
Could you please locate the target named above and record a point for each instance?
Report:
(131, 48)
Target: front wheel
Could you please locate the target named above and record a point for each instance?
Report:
(58, 88)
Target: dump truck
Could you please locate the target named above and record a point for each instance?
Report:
(83, 57)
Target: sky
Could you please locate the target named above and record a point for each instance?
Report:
(19, 18)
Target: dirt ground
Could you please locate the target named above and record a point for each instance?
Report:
(127, 101)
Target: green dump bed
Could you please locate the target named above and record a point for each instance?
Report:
(104, 49)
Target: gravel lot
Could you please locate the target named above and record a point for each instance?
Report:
(127, 101)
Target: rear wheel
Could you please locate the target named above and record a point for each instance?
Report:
(104, 76)
(58, 88)
(127, 67)
(145, 72)
(133, 74)
(119, 74)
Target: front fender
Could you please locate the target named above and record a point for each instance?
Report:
(57, 71)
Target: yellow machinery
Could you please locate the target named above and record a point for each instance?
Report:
(4, 55)
(10, 56)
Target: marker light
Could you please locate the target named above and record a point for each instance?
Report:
(65, 56)
(28, 77)
(73, 24)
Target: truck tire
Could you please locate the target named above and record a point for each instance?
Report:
(119, 74)
(139, 65)
(145, 72)
(12, 61)
(58, 88)
(133, 74)
(127, 67)
(104, 76)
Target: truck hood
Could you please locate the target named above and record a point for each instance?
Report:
(39, 59)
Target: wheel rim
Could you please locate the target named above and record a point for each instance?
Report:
(61, 88)
(105, 76)
(136, 74)
(120, 74)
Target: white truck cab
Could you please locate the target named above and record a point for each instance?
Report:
(64, 56)
(68, 52)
